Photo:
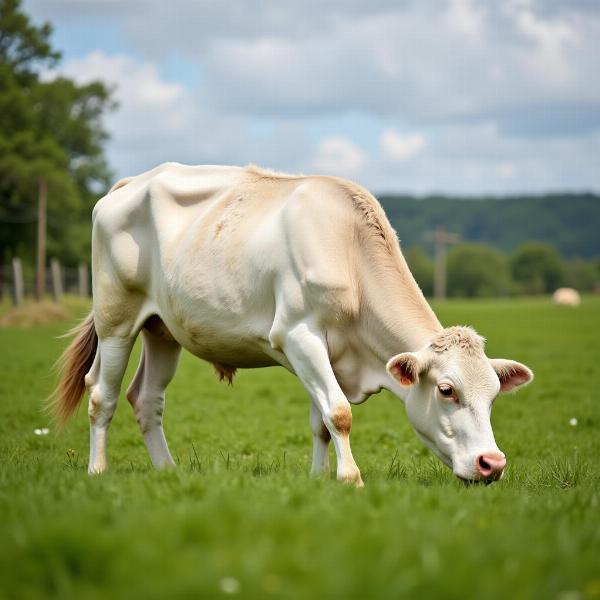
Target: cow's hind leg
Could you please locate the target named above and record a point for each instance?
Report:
(306, 349)
(147, 393)
(104, 383)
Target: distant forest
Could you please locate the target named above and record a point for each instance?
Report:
(568, 222)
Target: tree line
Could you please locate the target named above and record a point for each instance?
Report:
(568, 222)
(480, 270)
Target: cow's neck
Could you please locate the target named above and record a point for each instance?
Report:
(395, 317)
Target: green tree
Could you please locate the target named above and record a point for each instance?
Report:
(583, 275)
(537, 268)
(51, 129)
(421, 267)
(477, 270)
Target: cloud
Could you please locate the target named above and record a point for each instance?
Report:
(338, 155)
(160, 120)
(481, 158)
(413, 60)
(152, 114)
(145, 100)
(460, 96)
(398, 148)
(419, 61)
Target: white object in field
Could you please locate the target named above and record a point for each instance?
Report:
(566, 297)
(230, 585)
(41, 431)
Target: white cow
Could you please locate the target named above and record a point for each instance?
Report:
(249, 268)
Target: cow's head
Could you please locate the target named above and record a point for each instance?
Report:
(451, 388)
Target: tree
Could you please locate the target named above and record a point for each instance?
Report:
(582, 275)
(537, 268)
(421, 267)
(23, 47)
(477, 270)
(49, 129)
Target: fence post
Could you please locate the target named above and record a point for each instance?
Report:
(57, 286)
(40, 270)
(17, 281)
(441, 238)
(84, 288)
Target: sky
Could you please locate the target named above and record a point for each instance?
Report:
(415, 96)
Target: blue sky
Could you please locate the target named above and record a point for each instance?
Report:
(462, 97)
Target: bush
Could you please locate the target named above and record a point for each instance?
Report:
(421, 267)
(537, 268)
(477, 270)
(582, 275)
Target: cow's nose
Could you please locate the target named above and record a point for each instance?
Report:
(490, 466)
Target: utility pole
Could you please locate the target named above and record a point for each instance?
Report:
(441, 238)
(40, 274)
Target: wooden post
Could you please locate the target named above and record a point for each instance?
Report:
(441, 239)
(40, 274)
(84, 288)
(439, 273)
(57, 286)
(18, 288)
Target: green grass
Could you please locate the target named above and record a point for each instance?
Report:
(241, 517)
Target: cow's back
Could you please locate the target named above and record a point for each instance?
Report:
(213, 250)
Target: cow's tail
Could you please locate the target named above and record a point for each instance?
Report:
(73, 365)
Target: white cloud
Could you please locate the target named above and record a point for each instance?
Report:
(466, 18)
(506, 169)
(461, 96)
(159, 120)
(153, 118)
(480, 158)
(338, 155)
(144, 99)
(414, 60)
(399, 148)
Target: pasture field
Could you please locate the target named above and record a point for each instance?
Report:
(241, 518)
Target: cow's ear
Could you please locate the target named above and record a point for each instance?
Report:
(405, 368)
(511, 374)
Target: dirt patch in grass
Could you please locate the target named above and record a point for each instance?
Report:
(31, 314)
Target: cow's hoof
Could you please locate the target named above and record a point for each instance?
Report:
(97, 469)
(351, 477)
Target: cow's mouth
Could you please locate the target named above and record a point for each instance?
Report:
(480, 480)
(469, 482)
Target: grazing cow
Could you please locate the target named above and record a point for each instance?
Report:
(566, 297)
(250, 268)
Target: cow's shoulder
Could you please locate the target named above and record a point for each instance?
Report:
(352, 203)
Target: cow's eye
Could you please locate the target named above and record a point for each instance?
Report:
(447, 391)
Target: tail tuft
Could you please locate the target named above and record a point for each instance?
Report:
(73, 365)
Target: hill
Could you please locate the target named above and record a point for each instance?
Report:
(569, 222)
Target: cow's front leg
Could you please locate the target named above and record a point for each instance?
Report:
(321, 438)
(306, 349)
